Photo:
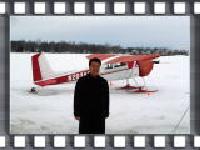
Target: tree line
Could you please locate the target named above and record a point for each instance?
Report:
(62, 46)
(85, 48)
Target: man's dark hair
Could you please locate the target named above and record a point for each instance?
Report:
(95, 59)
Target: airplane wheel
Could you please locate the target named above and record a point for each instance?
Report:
(33, 90)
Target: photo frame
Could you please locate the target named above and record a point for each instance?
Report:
(128, 141)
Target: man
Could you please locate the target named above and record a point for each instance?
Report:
(91, 100)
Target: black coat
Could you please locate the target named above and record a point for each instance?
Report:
(91, 103)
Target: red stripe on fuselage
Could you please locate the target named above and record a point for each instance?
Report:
(62, 79)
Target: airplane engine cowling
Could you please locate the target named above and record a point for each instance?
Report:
(145, 67)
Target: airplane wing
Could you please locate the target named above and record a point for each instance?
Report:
(145, 62)
(129, 58)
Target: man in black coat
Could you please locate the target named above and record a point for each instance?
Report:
(91, 100)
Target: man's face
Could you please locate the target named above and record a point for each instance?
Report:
(94, 68)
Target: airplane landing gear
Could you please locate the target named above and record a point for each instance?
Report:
(33, 90)
(142, 90)
(138, 88)
(128, 86)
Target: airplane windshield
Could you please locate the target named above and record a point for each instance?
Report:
(112, 66)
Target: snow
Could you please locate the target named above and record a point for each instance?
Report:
(51, 110)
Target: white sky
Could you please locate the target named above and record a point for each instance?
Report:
(165, 31)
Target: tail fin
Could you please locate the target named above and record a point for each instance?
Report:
(36, 67)
(41, 68)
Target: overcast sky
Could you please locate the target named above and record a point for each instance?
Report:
(166, 31)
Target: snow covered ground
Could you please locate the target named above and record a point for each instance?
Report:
(51, 111)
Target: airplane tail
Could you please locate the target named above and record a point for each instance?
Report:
(41, 67)
(145, 67)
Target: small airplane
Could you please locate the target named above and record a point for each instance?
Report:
(114, 67)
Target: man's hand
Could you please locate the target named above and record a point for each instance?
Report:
(77, 117)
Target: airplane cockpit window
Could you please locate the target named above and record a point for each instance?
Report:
(122, 63)
(112, 66)
(109, 66)
(117, 65)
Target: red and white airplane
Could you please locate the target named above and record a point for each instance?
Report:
(114, 67)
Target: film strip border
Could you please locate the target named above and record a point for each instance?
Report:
(116, 141)
(100, 7)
